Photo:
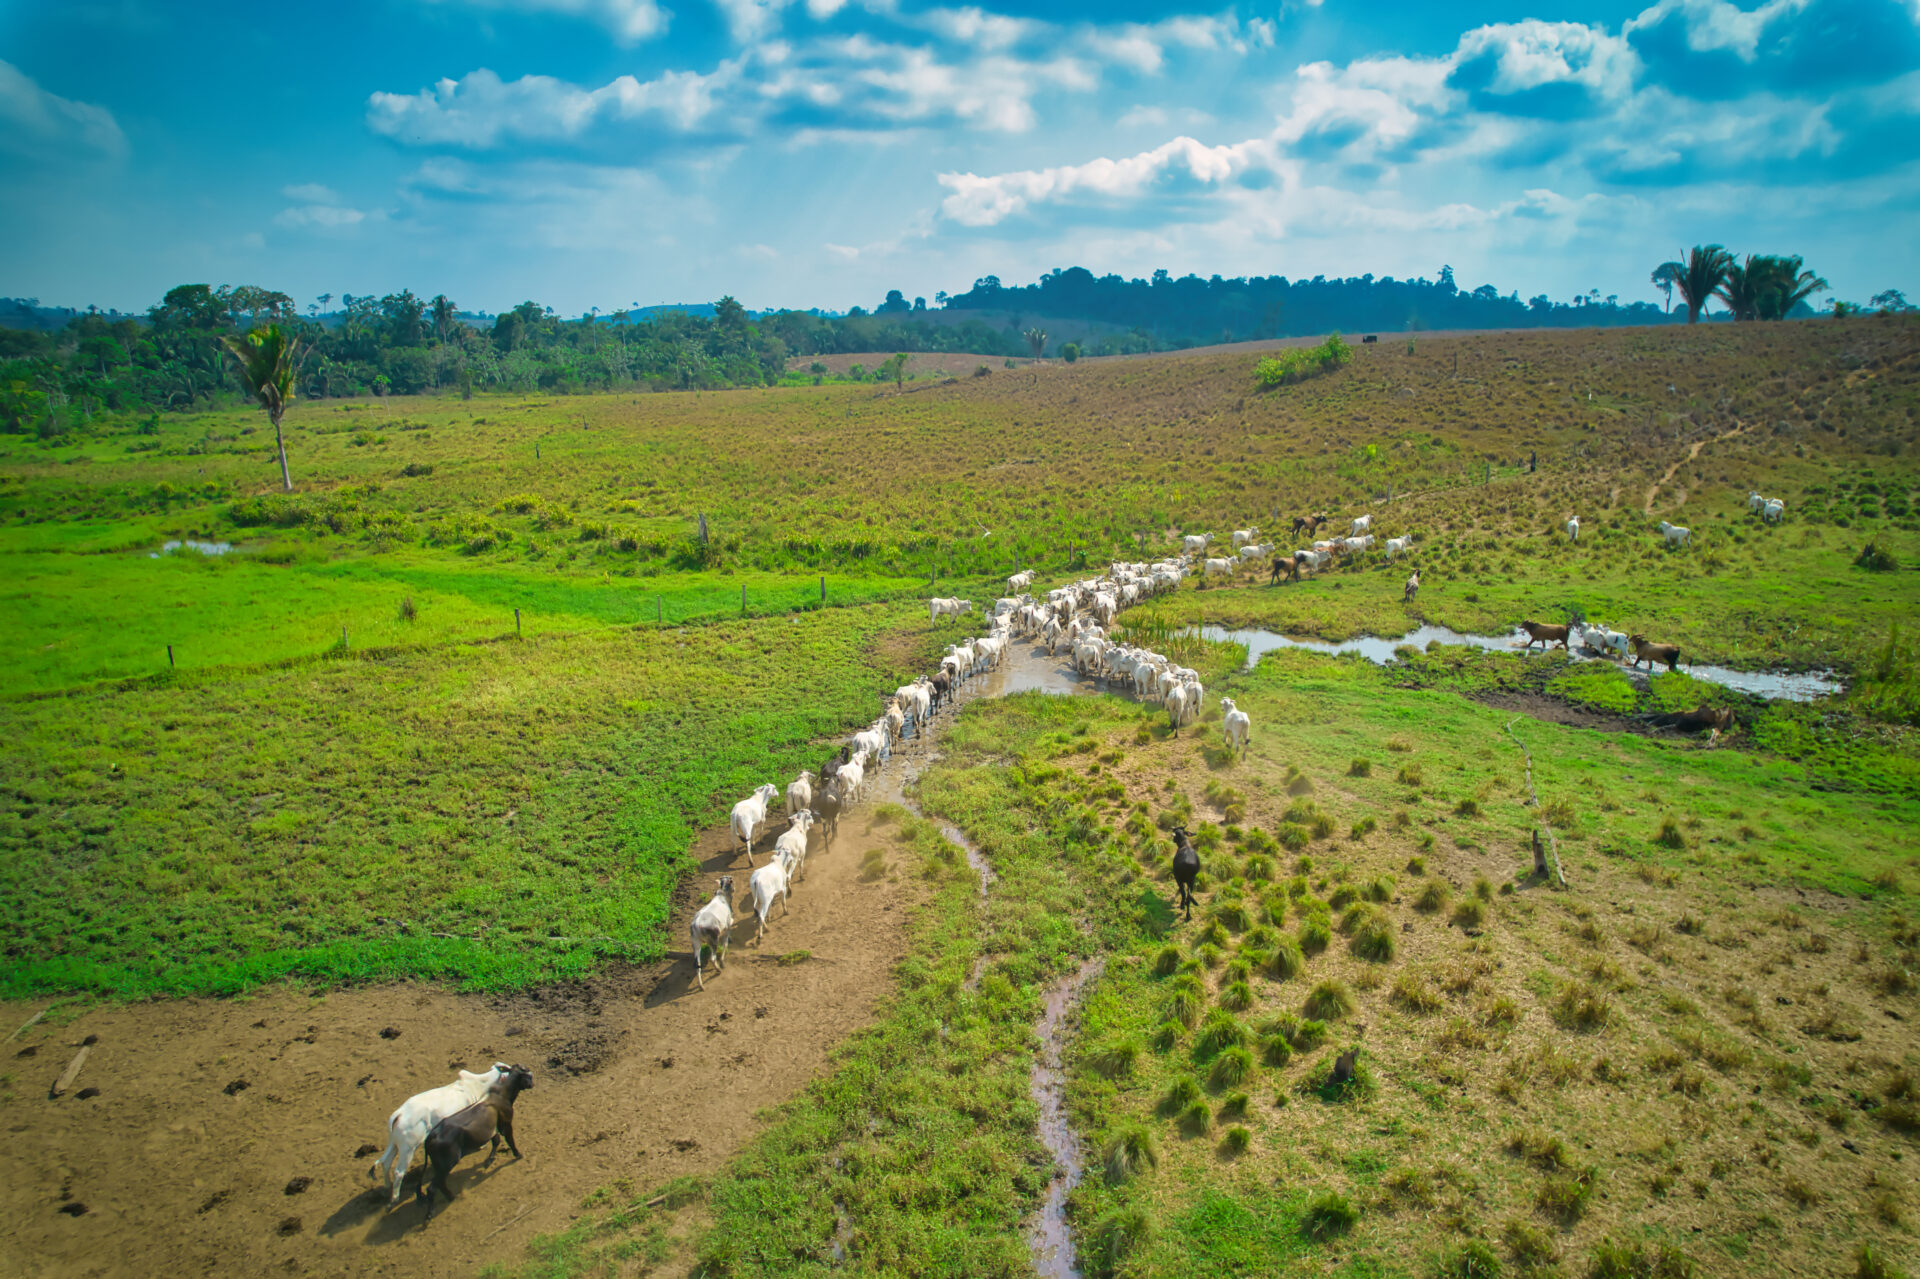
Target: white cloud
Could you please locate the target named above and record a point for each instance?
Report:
(1143, 117)
(978, 201)
(481, 110)
(36, 123)
(1714, 25)
(629, 21)
(311, 193)
(1533, 53)
(326, 217)
(750, 19)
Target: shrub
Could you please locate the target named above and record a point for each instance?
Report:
(1132, 1151)
(1364, 827)
(1565, 1196)
(1343, 897)
(1375, 938)
(1287, 960)
(1876, 559)
(1433, 897)
(1231, 1068)
(1329, 1001)
(1120, 1232)
(1117, 1059)
(1307, 1034)
(1468, 807)
(1183, 1092)
(1472, 1260)
(407, 610)
(1328, 1213)
(1221, 1030)
(1869, 1264)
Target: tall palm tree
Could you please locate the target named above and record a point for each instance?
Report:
(1783, 285)
(1699, 276)
(269, 359)
(1740, 290)
(1036, 341)
(445, 314)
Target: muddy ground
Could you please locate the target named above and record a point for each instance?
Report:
(210, 1112)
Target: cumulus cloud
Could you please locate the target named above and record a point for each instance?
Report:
(986, 201)
(311, 193)
(481, 110)
(628, 21)
(317, 207)
(37, 124)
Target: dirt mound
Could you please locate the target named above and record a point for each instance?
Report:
(210, 1113)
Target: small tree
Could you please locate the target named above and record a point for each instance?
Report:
(896, 368)
(268, 360)
(1070, 352)
(1699, 277)
(1036, 341)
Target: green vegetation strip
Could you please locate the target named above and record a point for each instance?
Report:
(532, 801)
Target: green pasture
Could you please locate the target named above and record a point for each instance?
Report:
(916, 1150)
(325, 820)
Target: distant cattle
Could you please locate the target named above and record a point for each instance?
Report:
(1371, 337)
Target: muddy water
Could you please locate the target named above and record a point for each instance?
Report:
(205, 548)
(1800, 687)
(1048, 1238)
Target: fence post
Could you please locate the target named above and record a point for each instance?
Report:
(169, 657)
(823, 588)
(343, 637)
(743, 599)
(516, 621)
(659, 614)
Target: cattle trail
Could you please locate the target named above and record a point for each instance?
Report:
(1692, 453)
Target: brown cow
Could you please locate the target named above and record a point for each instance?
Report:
(1645, 650)
(1544, 635)
(1283, 566)
(1697, 720)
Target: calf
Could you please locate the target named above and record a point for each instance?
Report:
(1573, 529)
(460, 1134)
(1646, 651)
(1412, 587)
(1545, 636)
(1284, 566)
(1186, 869)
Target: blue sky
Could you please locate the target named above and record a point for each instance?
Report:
(819, 152)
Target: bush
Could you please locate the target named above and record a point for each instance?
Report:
(1375, 938)
(1231, 1068)
(1876, 559)
(1234, 1107)
(1470, 1261)
(1329, 1001)
(1868, 1264)
(1315, 936)
(1328, 1213)
(1298, 363)
(1132, 1151)
(1287, 959)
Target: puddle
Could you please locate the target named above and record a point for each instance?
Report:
(975, 858)
(1800, 687)
(205, 548)
(1049, 1239)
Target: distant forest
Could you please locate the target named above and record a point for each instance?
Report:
(59, 368)
(1190, 311)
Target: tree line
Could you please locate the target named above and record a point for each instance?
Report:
(177, 357)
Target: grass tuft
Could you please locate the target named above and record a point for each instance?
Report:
(1329, 1214)
(1434, 897)
(1132, 1151)
(1329, 1001)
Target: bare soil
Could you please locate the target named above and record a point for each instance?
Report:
(922, 365)
(209, 1111)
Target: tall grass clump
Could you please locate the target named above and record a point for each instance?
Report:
(1329, 1001)
(1329, 1213)
(1132, 1151)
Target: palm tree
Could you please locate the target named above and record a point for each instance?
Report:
(1783, 285)
(1665, 276)
(1036, 341)
(1699, 276)
(445, 314)
(269, 359)
(1740, 290)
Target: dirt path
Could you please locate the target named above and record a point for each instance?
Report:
(1692, 453)
(183, 1171)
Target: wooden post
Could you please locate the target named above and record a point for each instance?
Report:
(659, 612)
(1539, 855)
(169, 657)
(823, 588)
(343, 637)
(516, 621)
(743, 599)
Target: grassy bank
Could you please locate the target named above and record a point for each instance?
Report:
(1663, 1061)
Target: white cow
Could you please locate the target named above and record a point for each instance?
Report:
(1755, 501)
(1676, 535)
(1219, 568)
(791, 848)
(1242, 536)
(1773, 511)
(1194, 543)
(1019, 582)
(1361, 525)
(799, 795)
(749, 814)
(408, 1126)
(711, 929)
(1395, 545)
(942, 606)
(768, 883)
(1237, 726)
(1573, 529)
